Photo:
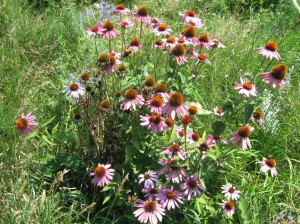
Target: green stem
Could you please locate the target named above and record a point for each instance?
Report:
(141, 28)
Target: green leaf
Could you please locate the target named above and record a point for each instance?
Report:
(218, 127)
(248, 112)
(47, 140)
(47, 122)
(33, 134)
(106, 188)
(44, 159)
(106, 199)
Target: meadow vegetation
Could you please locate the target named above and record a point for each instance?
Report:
(45, 176)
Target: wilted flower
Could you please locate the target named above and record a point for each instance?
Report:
(276, 77)
(148, 211)
(230, 191)
(26, 123)
(102, 175)
(270, 50)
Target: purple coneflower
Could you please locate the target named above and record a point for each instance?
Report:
(193, 137)
(175, 105)
(201, 58)
(142, 15)
(257, 117)
(269, 164)
(191, 186)
(121, 9)
(102, 175)
(26, 123)
(162, 29)
(132, 100)
(204, 41)
(156, 104)
(190, 18)
(150, 177)
(215, 43)
(228, 208)
(246, 88)
(125, 23)
(134, 44)
(154, 22)
(75, 90)
(241, 137)
(151, 192)
(162, 90)
(154, 122)
(270, 50)
(179, 52)
(218, 111)
(216, 138)
(169, 42)
(148, 211)
(175, 150)
(230, 191)
(108, 30)
(95, 30)
(276, 77)
(169, 198)
(111, 65)
(189, 34)
(173, 170)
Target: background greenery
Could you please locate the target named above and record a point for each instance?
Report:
(44, 178)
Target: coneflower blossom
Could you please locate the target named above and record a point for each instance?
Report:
(175, 150)
(132, 100)
(156, 104)
(269, 164)
(216, 138)
(193, 137)
(149, 178)
(158, 44)
(162, 29)
(108, 30)
(192, 187)
(154, 22)
(142, 15)
(175, 105)
(205, 146)
(121, 9)
(169, 198)
(190, 18)
(162, 90)
(75, 90)
(215, 43)
(257, 117)
(230, 192)
(95, 30)
(134, 44)
(154, 122)
(189, 34)
(180, 133)
(246, 88)
(241, 137)
(218, 111)
(125, 23)
(201, 58)
(102, 175)
(169, 42)
(276, 77)
(111, 65)
(179, 52)
(150, 192)
(228, 208)
(182, 40)
(174, 171)
(270, 50)
(204, 41)
(148, 211)
(26, 123)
